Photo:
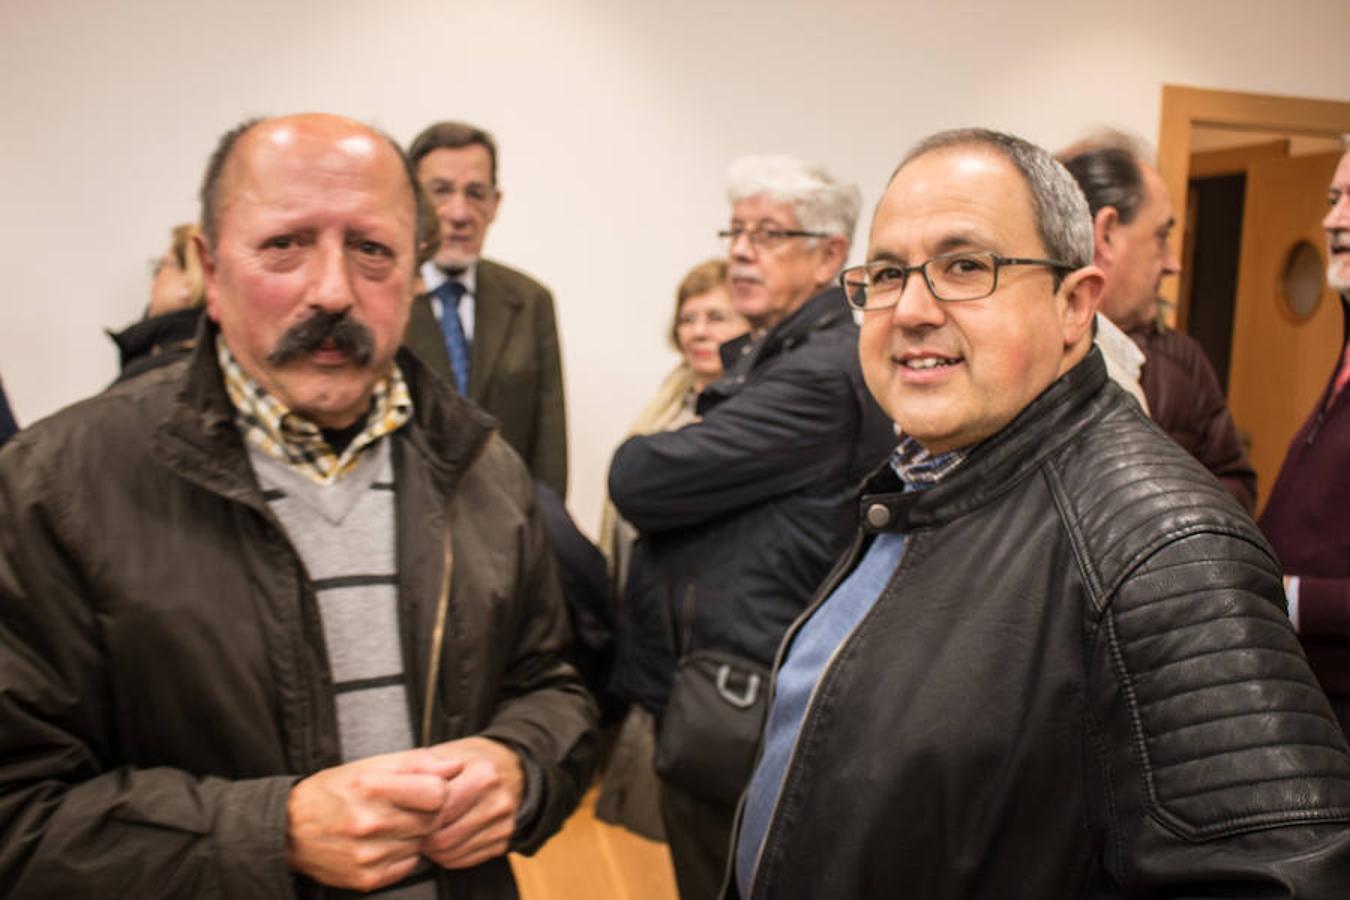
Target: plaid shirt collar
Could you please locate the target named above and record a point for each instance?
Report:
(268, 426)
(918, 468)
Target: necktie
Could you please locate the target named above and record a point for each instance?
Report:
(452, 330)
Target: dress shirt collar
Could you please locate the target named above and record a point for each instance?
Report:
(270, 427)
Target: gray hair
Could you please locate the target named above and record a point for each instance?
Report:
(1061, 211)
(819, 201)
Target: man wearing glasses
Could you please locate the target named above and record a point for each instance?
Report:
(486, 328)
(744, 511)
(1055, 661)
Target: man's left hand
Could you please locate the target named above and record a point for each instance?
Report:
(479, 814)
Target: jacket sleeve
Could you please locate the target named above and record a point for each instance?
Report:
(1324, 607)
(74, 821)
(1220, 770)
(548, 460)
(542, 707)
(1219, 448)
(777, 435)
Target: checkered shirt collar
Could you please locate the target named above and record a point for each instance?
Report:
(918, 468)
(268, 426)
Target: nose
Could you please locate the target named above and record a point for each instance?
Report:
(741, 247)
(1171, 265)
(332, 281)
(455, 207)
(1338, 217)
(917, 308)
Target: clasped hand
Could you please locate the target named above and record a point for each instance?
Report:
(364, 825)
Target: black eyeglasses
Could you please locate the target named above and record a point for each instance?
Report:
(766, 238)
(951, 277)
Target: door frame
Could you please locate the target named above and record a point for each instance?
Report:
(1184, 107)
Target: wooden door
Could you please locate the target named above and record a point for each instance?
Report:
(1280, 363)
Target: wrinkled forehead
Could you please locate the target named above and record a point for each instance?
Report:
(954, 198)
(764, 208)
(1340, 179)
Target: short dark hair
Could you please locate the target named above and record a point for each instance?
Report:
(215, 166)
(1110, 175)
(1060, 213)
(452, 136)
(210, 190)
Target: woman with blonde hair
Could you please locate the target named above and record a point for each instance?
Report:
(704, 319)
(177, 292)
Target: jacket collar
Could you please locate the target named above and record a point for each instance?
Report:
(744, 354)
(819, 312)
(994, 465)
(199, 440)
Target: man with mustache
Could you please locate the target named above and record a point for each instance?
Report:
(1054, 661)
(743, 511)
(1308, 515)
(280, 617)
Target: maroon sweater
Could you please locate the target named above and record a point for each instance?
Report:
(1308, 521)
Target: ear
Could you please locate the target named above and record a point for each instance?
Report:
(492, 208)
(833, 255)
(1104, 226)
(1079, 297)
(208, 260)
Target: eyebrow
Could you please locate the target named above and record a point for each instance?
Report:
(949, 244)
(761, 223)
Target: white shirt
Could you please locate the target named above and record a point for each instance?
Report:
(1124, 359)
(433, 276)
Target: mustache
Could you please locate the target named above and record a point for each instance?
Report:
(749, 273)
(336, 329)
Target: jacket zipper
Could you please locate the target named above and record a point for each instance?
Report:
(438, 638)
(827, 590)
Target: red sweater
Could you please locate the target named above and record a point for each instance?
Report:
(1308, 521)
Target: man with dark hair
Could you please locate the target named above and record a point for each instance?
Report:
(1308, 515)
(488, 329)
(1054, 661)
(1132, 219)
(281, 615)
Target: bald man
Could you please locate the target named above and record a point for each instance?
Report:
(281, 615)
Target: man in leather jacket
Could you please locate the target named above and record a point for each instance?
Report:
(1055, 661)
(280, 619)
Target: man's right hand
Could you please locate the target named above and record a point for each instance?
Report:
(359, 826)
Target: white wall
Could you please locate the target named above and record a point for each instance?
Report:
(616, 120)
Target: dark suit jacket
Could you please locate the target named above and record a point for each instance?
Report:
(515, 368)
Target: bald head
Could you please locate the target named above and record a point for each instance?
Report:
(348, 139)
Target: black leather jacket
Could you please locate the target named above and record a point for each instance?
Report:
(1079, 683)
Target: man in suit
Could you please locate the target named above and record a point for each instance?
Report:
(487, 328)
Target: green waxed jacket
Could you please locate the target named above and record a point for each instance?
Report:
(163, 680)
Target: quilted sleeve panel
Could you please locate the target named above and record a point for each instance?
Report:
(1231, 731)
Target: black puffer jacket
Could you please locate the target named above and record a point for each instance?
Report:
(1080, 682)
(742, 513)
(163, 680)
